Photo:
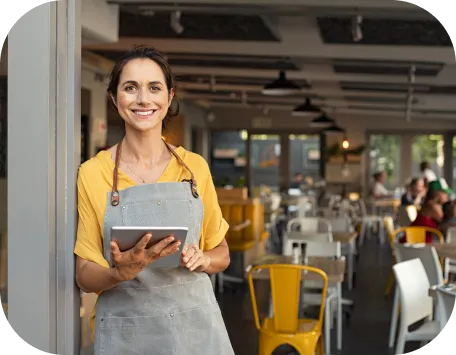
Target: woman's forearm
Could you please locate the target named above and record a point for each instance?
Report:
(220, 258)
(91, 277)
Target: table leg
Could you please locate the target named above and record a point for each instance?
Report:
(351, 254)
(339, 316)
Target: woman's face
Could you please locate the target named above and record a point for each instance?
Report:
(418, 187)
(142, 95)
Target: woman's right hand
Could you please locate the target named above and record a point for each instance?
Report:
(131, 262)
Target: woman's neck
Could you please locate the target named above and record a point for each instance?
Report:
(144, 148)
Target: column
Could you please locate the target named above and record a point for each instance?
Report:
(43, 156)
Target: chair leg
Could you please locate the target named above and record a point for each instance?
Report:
(389, 285)
(327, 328)
(401, 341)
(339, 316)
(321, 346)
(394, 318)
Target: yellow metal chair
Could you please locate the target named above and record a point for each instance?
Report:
(388, 224)
(417, 234)
(285, 327)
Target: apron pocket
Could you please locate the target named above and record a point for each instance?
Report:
(136, 336)
(201, 331)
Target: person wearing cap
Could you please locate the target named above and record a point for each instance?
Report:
(431, 212)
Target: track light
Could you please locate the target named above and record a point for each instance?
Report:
(357, 32)
(175, 22)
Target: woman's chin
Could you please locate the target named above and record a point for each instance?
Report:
(144, 126)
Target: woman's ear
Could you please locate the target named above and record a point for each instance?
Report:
(171, 96)
(113, 100)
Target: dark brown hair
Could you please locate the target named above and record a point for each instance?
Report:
(143, 52)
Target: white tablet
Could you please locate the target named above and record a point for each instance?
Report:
(127, 237)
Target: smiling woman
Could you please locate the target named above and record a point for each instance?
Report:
(144, 181)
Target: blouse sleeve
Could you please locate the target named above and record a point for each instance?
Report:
(214, 225)
(89, 244)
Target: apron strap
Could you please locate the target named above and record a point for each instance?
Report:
(115, 198)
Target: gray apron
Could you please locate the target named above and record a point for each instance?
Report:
(162, 310)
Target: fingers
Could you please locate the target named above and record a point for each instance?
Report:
(190, 251)
(165, 247)
(142, 244)
(115, 252)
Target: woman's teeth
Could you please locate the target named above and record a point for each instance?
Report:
(144, 113)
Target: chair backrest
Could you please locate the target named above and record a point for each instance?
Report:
(316, 248)
(417, 234)
(413, 286)
(340, 224)
(388, 223)
(310, 224)
(446, 301)
(298, 237)
(451, 235)
(428, 256)
(285, 281)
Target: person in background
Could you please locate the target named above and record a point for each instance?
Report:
(379, 190)
(431, 213)
(427, 173)
(415, 194)
(449, 217)
(298, 180)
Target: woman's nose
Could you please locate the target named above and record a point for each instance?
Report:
(143, 97)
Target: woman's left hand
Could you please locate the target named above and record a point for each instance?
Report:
(194, 259)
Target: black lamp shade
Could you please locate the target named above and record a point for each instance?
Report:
(306, 109)
(334, 129)
(281, 86)
(322, 121)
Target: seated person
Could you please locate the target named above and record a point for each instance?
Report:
(379, 190)
(415, 193)
(297, 181)
(449, 217)
(431, 212)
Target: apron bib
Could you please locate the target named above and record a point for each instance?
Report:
(166, 310)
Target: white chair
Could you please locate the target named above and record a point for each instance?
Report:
(445, 305)
(310, 228)
(450, 265)
(416, 304)
(334, 293)
(367, 221)
(430, 261)
(310, 224)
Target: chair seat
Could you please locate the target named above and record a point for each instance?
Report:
(304, 326)
(240, 246)
(428, 330)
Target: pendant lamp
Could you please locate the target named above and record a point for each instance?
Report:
(281, 86)
(306, 109)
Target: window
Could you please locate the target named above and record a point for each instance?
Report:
(428, 148)
(384, 156)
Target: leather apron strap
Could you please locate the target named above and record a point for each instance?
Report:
(115, 197)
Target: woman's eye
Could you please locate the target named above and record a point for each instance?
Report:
(129, 88)
(154, 88)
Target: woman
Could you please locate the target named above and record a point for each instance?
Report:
(415, 193)
(143, 181)
(431, 212)
(379, 190)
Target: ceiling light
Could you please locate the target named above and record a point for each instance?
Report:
(175, 22)
(306, 109)
(281, 86)
(333, 130)
(322, 121)
(357, 32)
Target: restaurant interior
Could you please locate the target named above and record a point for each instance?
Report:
(316, 118)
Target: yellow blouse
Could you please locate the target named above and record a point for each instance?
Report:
(95, 181)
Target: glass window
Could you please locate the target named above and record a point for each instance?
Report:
(265, 160)
(228, 158)
(428, 148)
(384, 156)
(305, 155)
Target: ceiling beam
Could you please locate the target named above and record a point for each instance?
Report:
(286, 48)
